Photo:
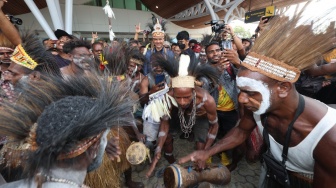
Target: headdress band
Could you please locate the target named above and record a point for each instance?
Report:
(158, 32)
(136, 61)
(21, 57)
(6, 48)
(183, 81)
(81, 148)
(271, 67)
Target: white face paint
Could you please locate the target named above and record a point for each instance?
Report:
(100, 153)
(257, 86)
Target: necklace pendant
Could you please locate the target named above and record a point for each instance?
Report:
(186, 135)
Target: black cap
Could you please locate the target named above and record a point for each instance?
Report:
(60, 33)
(247, 39)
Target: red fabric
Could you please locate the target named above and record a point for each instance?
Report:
(229, 69)
(197, 48)
(254, 146)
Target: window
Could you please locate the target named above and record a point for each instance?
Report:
(118, 4)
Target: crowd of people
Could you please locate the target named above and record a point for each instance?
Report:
(70, 108)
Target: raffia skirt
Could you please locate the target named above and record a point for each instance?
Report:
(109, 173)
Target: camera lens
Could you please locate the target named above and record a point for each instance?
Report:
(18, 21)
(14, 20)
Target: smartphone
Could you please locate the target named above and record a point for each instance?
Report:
(159, 78)
(227, 44)
(267, 17)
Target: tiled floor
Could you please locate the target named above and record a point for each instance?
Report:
(245, 176)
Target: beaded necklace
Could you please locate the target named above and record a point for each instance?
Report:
(186, 128)
(60, 180)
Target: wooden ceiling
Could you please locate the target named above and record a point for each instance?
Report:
(165, 8)
(169, 8)
(19, 6)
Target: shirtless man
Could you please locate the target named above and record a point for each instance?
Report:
(197, 114)
(134, 68)
(267, 91)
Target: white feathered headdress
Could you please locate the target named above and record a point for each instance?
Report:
(183, 80)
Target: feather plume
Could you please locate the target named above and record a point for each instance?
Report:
(297, 40)
(171, 66)
(183, 65)
(66, 112)
(108, 10)
(154, 19)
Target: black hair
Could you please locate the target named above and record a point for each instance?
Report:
(136, 54)
(134, 41)
(210, 44)
(182, 35)
(72, 44)
(193, 41)
(97, 43)
(116, 60)
(45, 40)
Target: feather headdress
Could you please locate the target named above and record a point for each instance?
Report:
(32, 55)
(183, 69)
(58, 119)
(289, 45)
(157, 27)
(183, 73)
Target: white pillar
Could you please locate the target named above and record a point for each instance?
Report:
(55, 17)
(68, 16)
(230, 11)
(214, 16)
(58, 7)
(33, 8)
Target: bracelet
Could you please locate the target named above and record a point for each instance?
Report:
(214, 121)
(161, 134)
(211, 136)
(157, 149)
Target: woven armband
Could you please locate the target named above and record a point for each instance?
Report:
(214, 121)
(161, 134)
(211, 136)
(157, 149)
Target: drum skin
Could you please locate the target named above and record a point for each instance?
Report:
(136, 153)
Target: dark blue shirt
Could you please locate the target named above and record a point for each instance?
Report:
(61, 62)
(147, 68)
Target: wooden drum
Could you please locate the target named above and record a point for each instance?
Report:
(176, 176)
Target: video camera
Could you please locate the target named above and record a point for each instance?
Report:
(216, 25)
(14, 20)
